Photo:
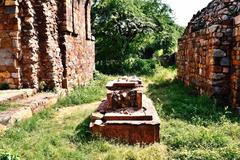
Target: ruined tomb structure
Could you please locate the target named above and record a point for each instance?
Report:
(126, 114)
(45, 42)
(209, 52)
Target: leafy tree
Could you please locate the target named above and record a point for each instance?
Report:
(126, 29)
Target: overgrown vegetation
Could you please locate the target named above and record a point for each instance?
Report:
(192, 127)
(129, 33)
(94, 91)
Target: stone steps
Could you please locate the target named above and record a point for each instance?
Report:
(39, 101)
(28, 106)
(12, 95)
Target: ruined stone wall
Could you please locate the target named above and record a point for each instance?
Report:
(77, 40)
(29, 59)
(45, 43)
(9, 43)
(205, 53)
(235, 77)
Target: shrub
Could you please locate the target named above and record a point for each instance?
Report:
(139, 66)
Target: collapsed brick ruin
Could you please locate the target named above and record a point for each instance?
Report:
(126, 114)
(209, 51)
(45, 42)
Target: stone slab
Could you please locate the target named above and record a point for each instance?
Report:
(143, 114)
(11, 116)
(6, 57)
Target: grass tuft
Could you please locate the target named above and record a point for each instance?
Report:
(94, 91)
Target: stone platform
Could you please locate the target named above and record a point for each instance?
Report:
(127, 125)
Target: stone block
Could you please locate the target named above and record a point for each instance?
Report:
(6, 57)
(15, 75)
(237, 20)
(4, 75)
(11, 10)
(9, 117)
(6, 43)
(11, 3)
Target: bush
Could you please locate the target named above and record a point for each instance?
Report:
(131, 66)
(139, 66)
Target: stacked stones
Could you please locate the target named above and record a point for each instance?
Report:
(29, 45)
(79, 57)
(45, 41)
(205, 50)
(50, 58)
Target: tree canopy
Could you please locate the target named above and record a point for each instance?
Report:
(127, 30)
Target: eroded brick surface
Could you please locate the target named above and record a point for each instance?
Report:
(208, 56)
(46, 41)
(126, 114)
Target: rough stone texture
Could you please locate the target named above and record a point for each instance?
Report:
(46, 42)
(39, 102)
(11, 116)
(28, 106)
(209, 51)
(126, 92)
(127, 128)
(13, 95)
(126, 114)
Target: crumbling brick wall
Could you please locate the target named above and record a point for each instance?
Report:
(235, 77)
(78, 47)
(45, 42)
(205, 59)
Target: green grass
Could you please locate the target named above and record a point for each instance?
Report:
(6, 106)
(94, 91)
(44, 137)
(192, 127)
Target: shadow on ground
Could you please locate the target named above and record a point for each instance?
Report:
(82, 132)
(174, 100)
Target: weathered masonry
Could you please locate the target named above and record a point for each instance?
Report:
(209, 51)
(45, 42)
